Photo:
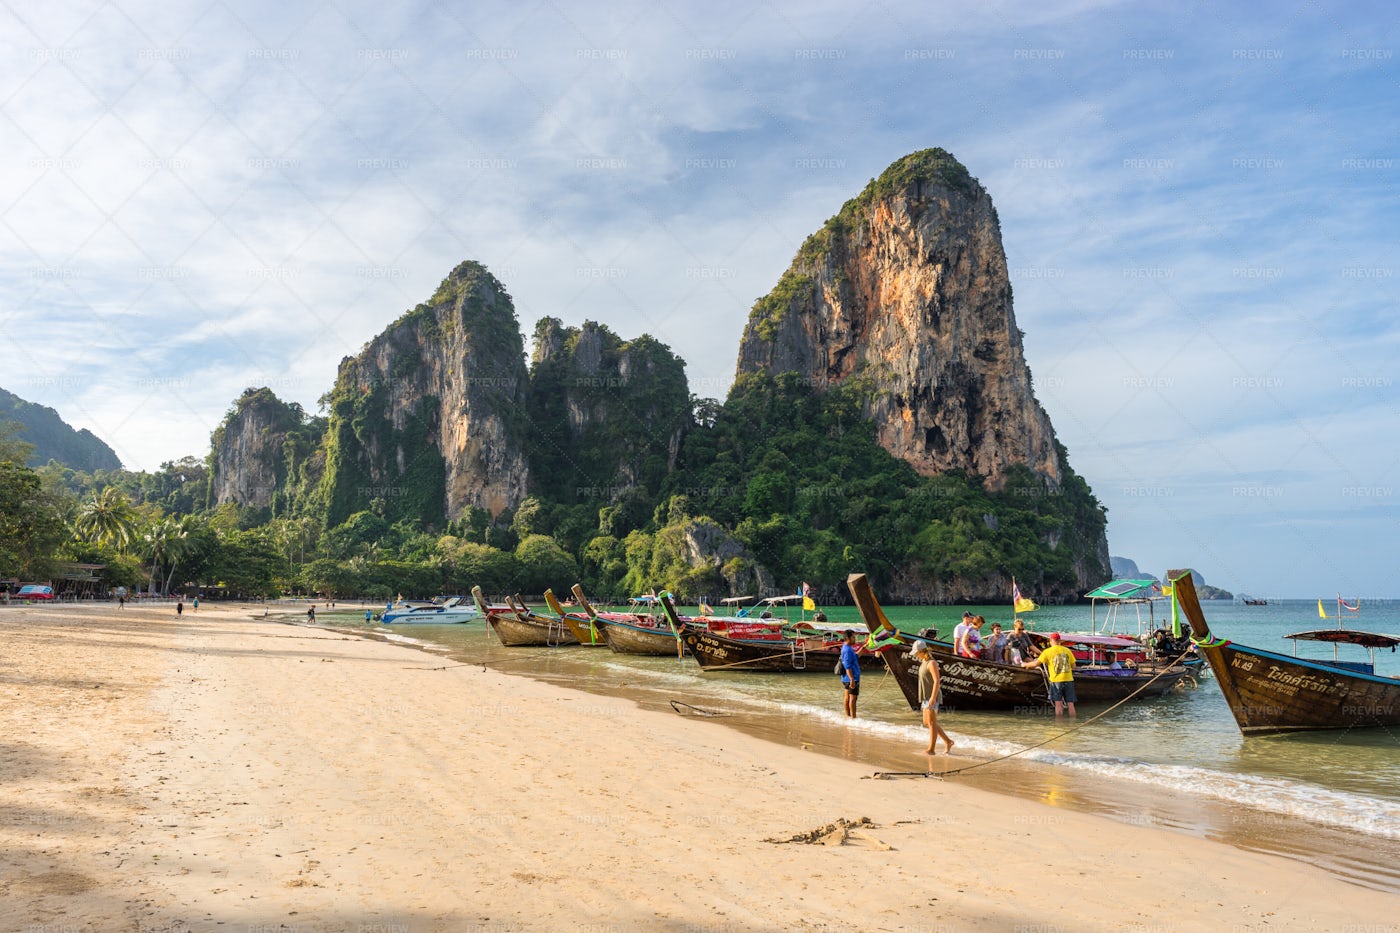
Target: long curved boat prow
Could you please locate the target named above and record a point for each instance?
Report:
(870, 611)
(1271, 693)
(581, 626)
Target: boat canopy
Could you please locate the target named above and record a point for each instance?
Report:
(776, 600)
(1098, 641)
(1127, 589)
(736, 599)
(837, 629)
(1341, 636)
(1116, 594)
(646, 599)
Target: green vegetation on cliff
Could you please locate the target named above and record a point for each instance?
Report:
(800, 478)
(52, 438)
(603, 416)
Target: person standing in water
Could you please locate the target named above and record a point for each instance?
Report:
(1059, 672)
(929, 700)
(850, 672)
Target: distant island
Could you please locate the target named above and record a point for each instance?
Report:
(1127, 568)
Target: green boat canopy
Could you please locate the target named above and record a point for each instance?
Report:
(1127, 589)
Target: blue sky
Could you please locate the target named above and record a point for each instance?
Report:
(1198, 205)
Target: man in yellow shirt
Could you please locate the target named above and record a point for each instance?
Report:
(1059, 671)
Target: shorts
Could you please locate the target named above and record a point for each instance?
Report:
(1062, 692)
(935, 705)
(852, 689)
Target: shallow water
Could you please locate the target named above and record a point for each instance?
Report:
(1178, 761)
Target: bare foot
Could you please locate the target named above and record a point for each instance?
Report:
(930, 751)
(949, 749)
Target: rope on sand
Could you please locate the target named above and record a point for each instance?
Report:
(881, 775)
(698, 711)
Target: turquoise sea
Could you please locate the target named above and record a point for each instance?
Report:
(1179, 760)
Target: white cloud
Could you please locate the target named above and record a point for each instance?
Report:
(1200, 237)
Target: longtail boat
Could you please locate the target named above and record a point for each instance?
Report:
(802, 647)
(518, 627)
(1271, 693)
(631, 632)
(974, 683)
(576, 622)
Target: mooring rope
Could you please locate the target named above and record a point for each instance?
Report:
(677, 704)
(881, 775)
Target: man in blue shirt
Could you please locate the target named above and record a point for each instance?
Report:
(850, 676)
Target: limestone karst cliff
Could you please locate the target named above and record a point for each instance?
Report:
(882, 420)
(251, 456)
(427, 421)
(902, 302)
(906, 289)
(606, 415)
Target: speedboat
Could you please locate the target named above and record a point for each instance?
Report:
(453, 611)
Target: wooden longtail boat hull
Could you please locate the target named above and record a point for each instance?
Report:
(1271, 693)
(975, 684)
(779, 655)
(971, 683)
(586, 635)
(532, 631)
(634, 639)
(582, 629)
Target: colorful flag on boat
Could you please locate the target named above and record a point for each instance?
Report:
(1019, 603)
(1343, 603)
(807, 602)
(1322, 613)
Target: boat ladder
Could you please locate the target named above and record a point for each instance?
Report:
(799, 654)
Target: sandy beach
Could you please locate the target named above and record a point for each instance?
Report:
(217, 772)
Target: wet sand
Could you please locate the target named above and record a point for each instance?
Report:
(215, 772)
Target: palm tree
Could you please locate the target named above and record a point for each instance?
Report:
(107, 519)
(180, 545)
(166, 542)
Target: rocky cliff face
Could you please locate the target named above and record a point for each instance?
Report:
(607, 415)
(247, 464)
(428, 419)
(906, 290)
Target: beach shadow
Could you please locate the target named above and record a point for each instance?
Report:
(22, 762)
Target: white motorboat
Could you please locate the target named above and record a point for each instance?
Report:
(453, 611)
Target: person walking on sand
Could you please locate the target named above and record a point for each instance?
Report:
(194, 604)
(850, 672)
(1059, 671)
(179, 607)
(311, 614)
(929, 697)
